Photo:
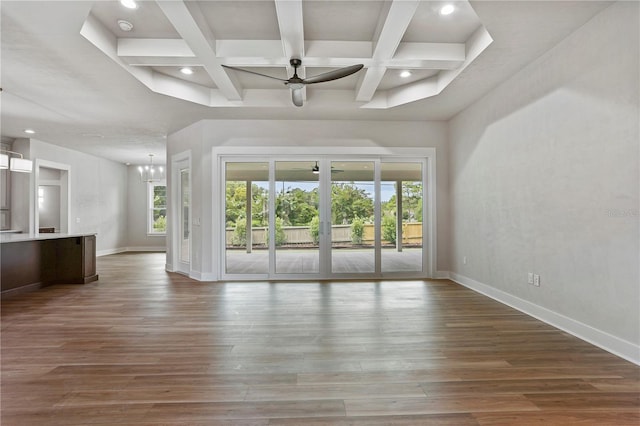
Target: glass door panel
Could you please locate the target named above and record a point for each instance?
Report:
(352, 216)
(246, 196)
(297, 225)
(401, 196)
(185, 227)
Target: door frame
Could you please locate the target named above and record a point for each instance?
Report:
(65, 194)
(177, 265)
(222, 154)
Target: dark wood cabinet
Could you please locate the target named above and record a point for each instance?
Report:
(37, 263)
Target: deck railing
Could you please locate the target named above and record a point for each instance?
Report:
(411, 234)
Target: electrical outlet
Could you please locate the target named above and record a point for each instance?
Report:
(464, 260)
(530, 278)
(536, 280)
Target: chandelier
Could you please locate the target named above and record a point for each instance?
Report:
(151, 173)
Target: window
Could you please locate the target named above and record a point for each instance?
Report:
(157, 219)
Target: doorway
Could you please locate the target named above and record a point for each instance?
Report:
(181, 223)
(52, 203)
(322, 217)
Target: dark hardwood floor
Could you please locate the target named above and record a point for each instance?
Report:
(144, 347)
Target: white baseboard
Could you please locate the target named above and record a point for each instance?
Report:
(202, 276)
(110, 251)
(602, 339)
(126, 249)
(148, 248)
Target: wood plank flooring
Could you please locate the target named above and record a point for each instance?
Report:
(144, 347)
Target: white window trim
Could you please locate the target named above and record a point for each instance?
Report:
(150, 192)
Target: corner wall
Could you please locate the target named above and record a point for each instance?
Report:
(544, 175)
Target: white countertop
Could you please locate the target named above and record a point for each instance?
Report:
(16, 238)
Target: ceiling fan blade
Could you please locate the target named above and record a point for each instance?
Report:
(333, 75)
(296, 97)
(253, 72)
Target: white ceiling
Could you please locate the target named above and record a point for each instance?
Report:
(79, 91)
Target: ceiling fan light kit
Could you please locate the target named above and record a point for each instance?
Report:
(296, 84)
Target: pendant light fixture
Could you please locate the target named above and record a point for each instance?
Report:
(151, 173)
(15, 162)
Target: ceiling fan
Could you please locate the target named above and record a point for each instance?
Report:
(316, 169)
(296, 83)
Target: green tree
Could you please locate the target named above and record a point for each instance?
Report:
(259, 205)
(348, 202)
(281, 237)
(389, 229)
(160, 224)
(357, 230)
(159, 208)
(296, 206)
(412, 201)
(239, 237)
(314, 229)
(235, 199)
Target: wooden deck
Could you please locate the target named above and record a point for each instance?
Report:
(145, 347)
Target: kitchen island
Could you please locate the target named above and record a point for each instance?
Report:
(32, 261)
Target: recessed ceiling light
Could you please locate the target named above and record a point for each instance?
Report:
(405, 74)
(447, 9)
(125, 25)
(186, 70)
(30, 131)
(129, 4)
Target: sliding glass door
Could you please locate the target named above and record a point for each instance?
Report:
(402, 213)
(246, 218)
(353, 217)
(296, 239)
(323, 218)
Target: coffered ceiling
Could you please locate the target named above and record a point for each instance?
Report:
(410, 49)
(70, 71)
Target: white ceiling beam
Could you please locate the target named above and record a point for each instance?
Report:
(395, 25)
(311, 62)
(290, 22)
(476, 44)
(166, 61)
(264, 49)
(267, 53)
(189, 23)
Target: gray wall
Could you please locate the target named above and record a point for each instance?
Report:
(98, 190)
(544, 178)
(106, 197)
(137, 216)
